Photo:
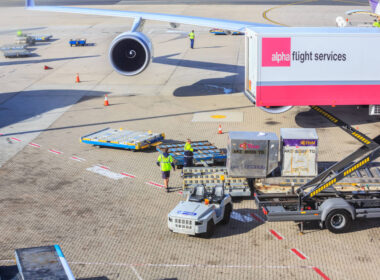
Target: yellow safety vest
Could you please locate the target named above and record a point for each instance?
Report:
(191, 35)
(376, 24)
(165, 162)
(188, 147)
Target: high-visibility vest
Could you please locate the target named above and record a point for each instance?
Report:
(191, 35)
(188, 147)
(376, 24)
(165, 162)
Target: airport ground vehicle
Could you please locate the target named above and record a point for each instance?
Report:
(77, 42)
(201, 212)
(318, 200)
(302, 66)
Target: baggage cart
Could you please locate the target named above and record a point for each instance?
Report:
(77, 42)
(204, 153)
(17, 53)
(210, 177)
(13, 47)
(125, 139)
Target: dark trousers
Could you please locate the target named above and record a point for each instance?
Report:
(192, 43)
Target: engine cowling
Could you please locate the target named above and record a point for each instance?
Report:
(130, 53)
(276, 109)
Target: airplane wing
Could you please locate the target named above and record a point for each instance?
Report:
(361, 12)
(198, 21)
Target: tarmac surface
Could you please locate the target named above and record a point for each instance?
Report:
(117, 229)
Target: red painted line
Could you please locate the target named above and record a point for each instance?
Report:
(104, 167)
(35, 145)
(317, 270)
(275, 234)
(155, 184)
(56, 152)
(128, 175)
(257, 218)
(16, 139)
(298, 254)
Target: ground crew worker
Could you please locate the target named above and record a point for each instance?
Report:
(166, 162)
(188, 154)
(376, 23)
(192, 36)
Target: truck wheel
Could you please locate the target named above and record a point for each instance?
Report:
(210, 229)
(338, 221)
(227, 214)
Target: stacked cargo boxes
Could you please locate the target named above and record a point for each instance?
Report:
(252, 154)
(299, 148)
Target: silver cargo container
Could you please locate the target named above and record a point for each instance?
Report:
(251, 154)
(299, 148)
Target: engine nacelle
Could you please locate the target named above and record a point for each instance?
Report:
(130, 53)
(276, 109)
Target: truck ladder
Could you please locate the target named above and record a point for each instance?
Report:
(365, 154)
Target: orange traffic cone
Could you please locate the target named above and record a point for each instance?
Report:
(77, 79)
(220, 130)
(47, 67)
(106, 100)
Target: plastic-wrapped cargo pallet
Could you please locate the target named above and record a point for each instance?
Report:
(299, 149)
(251, 154)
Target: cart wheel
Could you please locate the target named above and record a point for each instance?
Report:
(210, 229)
(338, 221)
(227, 214)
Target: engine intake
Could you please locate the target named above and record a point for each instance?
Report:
(130, 53)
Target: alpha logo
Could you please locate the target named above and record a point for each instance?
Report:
(275, 52)
(245, 146)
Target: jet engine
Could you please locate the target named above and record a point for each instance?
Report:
(276, 109)
(130, 53)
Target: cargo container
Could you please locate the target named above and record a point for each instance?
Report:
(299, 150)
(288, 67)
(251, 154)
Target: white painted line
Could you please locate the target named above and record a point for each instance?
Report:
(136, 273)
(34, 145)
(195, 265)
(55, 152)
(105, 172)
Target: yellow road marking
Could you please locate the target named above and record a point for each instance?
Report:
(218, 116)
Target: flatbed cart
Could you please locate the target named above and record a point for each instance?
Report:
(211, 177)
(43, 263)
(77, 42)
(17, 53)
(124, 139)
(318, 200)
(204, 153)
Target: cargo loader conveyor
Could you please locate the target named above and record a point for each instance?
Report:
(318, 200)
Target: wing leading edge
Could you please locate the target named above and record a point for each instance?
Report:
(198, 21)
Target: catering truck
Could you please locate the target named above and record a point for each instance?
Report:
(287, 67)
